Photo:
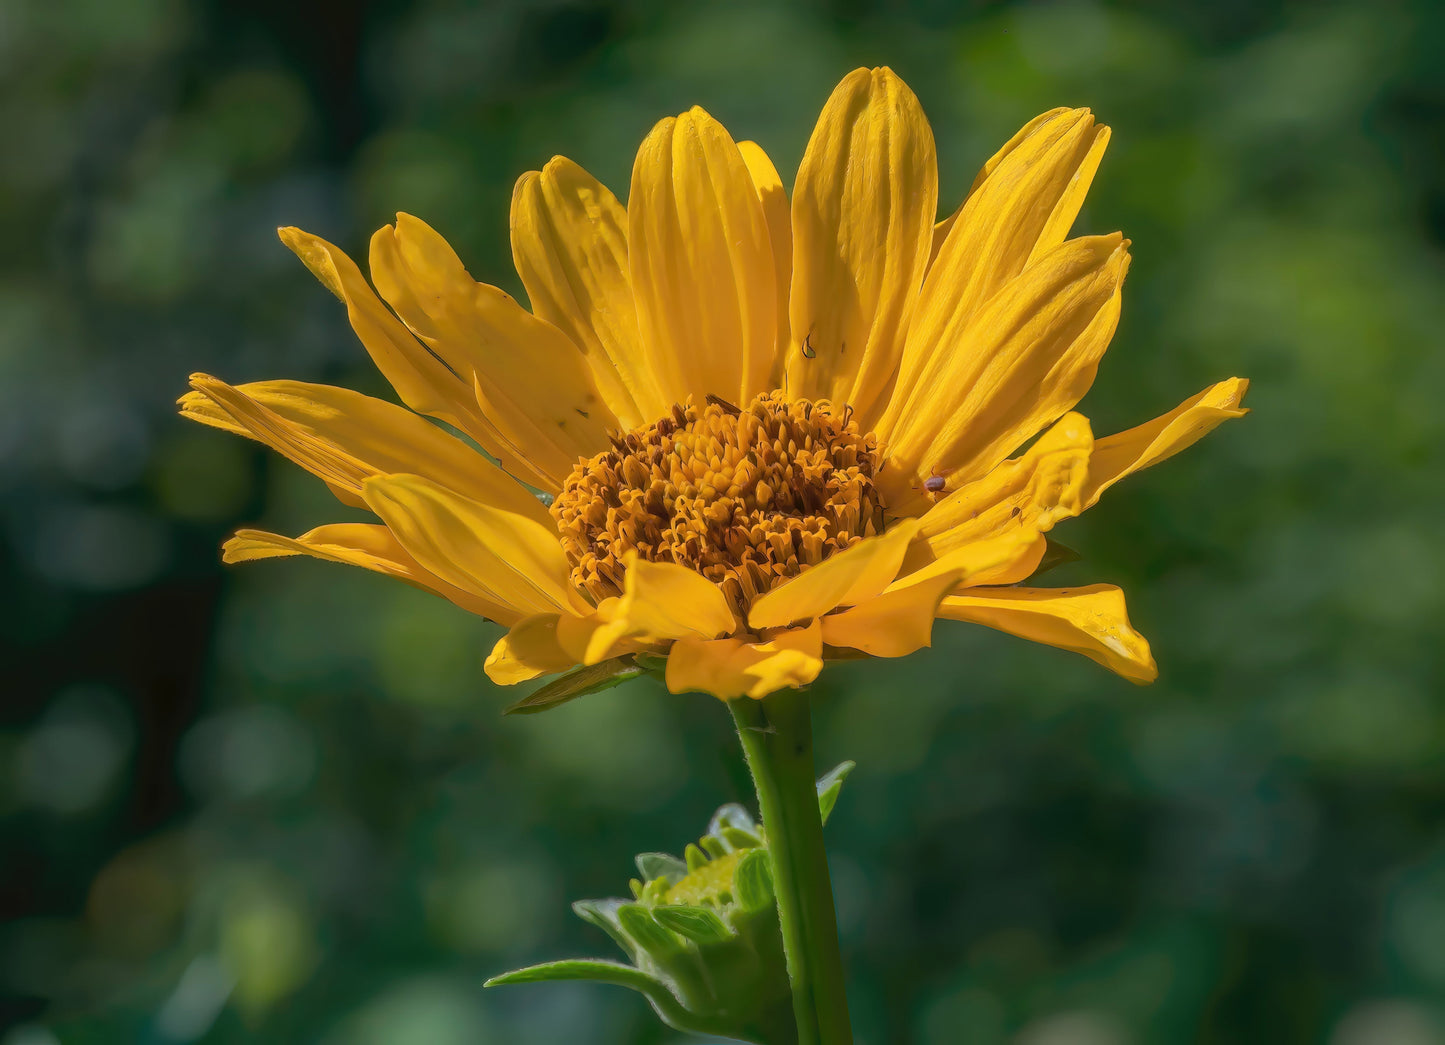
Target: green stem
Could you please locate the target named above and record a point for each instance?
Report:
(777, 737)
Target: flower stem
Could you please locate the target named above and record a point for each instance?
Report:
(777, 737)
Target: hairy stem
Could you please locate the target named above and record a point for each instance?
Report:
(777, 737)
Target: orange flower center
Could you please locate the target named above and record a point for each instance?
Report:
(747, 497)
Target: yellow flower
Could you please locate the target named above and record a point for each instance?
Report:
(767, 432)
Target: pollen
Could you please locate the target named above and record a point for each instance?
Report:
(748, 497)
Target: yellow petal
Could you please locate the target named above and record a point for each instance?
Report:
(1018, 567)
(863, 210)
(1033, 491)
(423, 381)
(893, 624)
(730, 668)
(1028, 358)
(702, 263)
(368, 545)
(660, 601)
(848, 578)
(530, 381)
(976, 562)
(942, 229)
(1090, 620)
(569, 243)
(779, 216)
(345, 437)
(1020, 211)
(476, 546)
(528, 650)
(1128, 452)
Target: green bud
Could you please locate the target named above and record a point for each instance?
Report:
(701, 933)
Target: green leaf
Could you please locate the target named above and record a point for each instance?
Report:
(661, 865)
(579, 683)
(829, 784)
(753, 881)
(696, 923)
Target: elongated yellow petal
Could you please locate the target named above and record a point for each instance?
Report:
(942, 229)
(423, 382)
(501, 555)
(729, 668)
(702, 263)
(569, 243)
(893, 624)
(975, 562)
(779, 216)
(848, 578)
(863, 210)
(529, 650)
(1091, 621)
(1017, 568)
(1033, 491)
(368, 545)
(1021, 210)
(1124, 454)
(531, 382)
(345, 438)
(660, 601)
(1028, 358)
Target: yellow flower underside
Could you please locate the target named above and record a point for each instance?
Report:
(773, 428)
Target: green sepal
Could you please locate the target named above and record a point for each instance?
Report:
(732, 815)
(829, 784)
(694, 857)
(603, 914)
(737, 838)
(576, 684)
(638, 922)
(660, 865)
(596, 970)
(698, 924)
(1055, 555)
(753, 882)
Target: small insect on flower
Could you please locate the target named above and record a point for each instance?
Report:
(934, 484)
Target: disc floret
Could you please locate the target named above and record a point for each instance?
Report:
(748, 497)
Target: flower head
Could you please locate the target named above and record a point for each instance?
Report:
(765, 431)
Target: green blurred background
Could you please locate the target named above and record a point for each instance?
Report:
(279, 803)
